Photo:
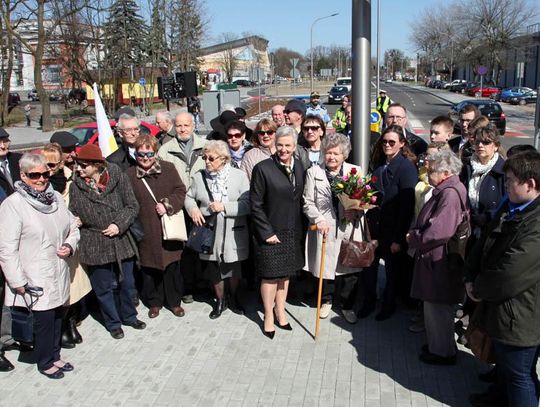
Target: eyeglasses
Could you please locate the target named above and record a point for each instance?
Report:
(396, 117)
(83, 165)
(483, 142)
(266, 132)
(147, 154)
(312, 128)
(53, 165)
(209, 158)
(37, 175)
(391, 143)
(235, 135)
(5, 141)
(133, 130)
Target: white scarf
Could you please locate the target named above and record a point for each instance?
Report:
(218, 182)
(480, 171)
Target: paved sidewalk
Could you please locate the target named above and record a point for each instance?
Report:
(195, 361)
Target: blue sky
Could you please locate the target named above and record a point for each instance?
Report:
(287, 23)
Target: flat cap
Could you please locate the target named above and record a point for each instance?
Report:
(65, 139)
(295, 105)
(3, 133)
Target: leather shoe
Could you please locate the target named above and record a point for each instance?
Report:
(219, 307)
(68, 367)
(117, 333)
(59, 374)
(432, 359)
(74, 332)
(153, 312)
(5, 364)
(137, 324)
(178, 311)
(67, 341)
(269, 334)
(286, 327)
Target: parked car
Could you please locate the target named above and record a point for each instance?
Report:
(13, 100)
(448, 85)
(489, 108)
(460, 87)
(524, 98)
(484, 91)
(336, 94)
(514, 92)
(244, 82)
(87, 133)
(33, 95)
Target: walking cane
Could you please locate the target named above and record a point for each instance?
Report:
(321, 274)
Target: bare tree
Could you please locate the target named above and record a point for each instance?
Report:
(48, 14)
(229, 60)
(6, 57)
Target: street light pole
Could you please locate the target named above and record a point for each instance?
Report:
(311, 44)
(378, 46)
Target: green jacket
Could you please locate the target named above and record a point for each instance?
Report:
(504, 267)
(342, 117)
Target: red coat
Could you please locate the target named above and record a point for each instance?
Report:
(436, 224)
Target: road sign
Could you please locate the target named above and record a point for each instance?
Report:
(142, 81)
(482, 70)
(375, 117)
(294, 62)
(294, 73)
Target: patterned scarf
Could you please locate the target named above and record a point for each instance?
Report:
(100, 185)
(217, 183)
(480, 171)
(46, 197)
(154, 169)
(237, 156)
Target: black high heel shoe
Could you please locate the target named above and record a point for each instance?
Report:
(268, 334)
(219, 307)
(286, 327)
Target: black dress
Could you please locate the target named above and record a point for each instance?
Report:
(276, 209)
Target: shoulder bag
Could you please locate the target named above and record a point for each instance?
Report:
(355, 254)
(201, 238)
(172, 226)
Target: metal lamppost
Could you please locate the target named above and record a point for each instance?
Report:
(311, 43)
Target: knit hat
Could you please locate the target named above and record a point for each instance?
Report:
(90, 152)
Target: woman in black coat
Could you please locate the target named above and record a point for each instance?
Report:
(396, 176)
(277, 185)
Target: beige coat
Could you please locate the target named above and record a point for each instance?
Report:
(29, 238)
(79, 282)
(317, 207)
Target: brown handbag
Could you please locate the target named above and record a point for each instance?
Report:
(355, 254)
(477, 339)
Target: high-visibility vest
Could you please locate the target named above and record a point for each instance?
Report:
(383, 103)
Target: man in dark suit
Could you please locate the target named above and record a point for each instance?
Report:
(461, 145)
(9, 174)
(128, 128)
(397, 114)
(164, 121)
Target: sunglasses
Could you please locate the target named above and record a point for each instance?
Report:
(313, 128)
(83, 165)
(266, 132)
(148, 154)
(209, 158)
(483, 142)
(391, 143)
(54, 165)
(235, 135)
(37, 175)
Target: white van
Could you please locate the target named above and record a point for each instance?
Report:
(344, 81)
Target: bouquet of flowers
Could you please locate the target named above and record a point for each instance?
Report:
(355, 191)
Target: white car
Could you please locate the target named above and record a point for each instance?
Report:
(389, 80)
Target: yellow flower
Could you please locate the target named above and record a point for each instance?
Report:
(340, 185)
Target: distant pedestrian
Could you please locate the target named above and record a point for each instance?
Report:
(27, 111)
(383, 103)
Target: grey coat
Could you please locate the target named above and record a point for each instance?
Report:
(231, 242)
(117, 204)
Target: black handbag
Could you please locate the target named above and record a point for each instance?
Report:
(22, 318)
(201, 238)
(137, 231)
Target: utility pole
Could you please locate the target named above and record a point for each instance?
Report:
(361, 89)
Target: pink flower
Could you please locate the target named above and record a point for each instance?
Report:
(345, 178)
(368, 188)
(373, 199)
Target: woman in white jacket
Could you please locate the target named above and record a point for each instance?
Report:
(323, 210)
(38, 234)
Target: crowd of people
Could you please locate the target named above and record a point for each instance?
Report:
(455, 220)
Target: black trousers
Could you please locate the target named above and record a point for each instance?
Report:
(345, 285)
(162, 287)
(47, 336)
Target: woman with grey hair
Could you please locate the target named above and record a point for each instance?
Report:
(276, 191)
(323, 209)
(437, 281)
(219, 194)
(38, 234)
